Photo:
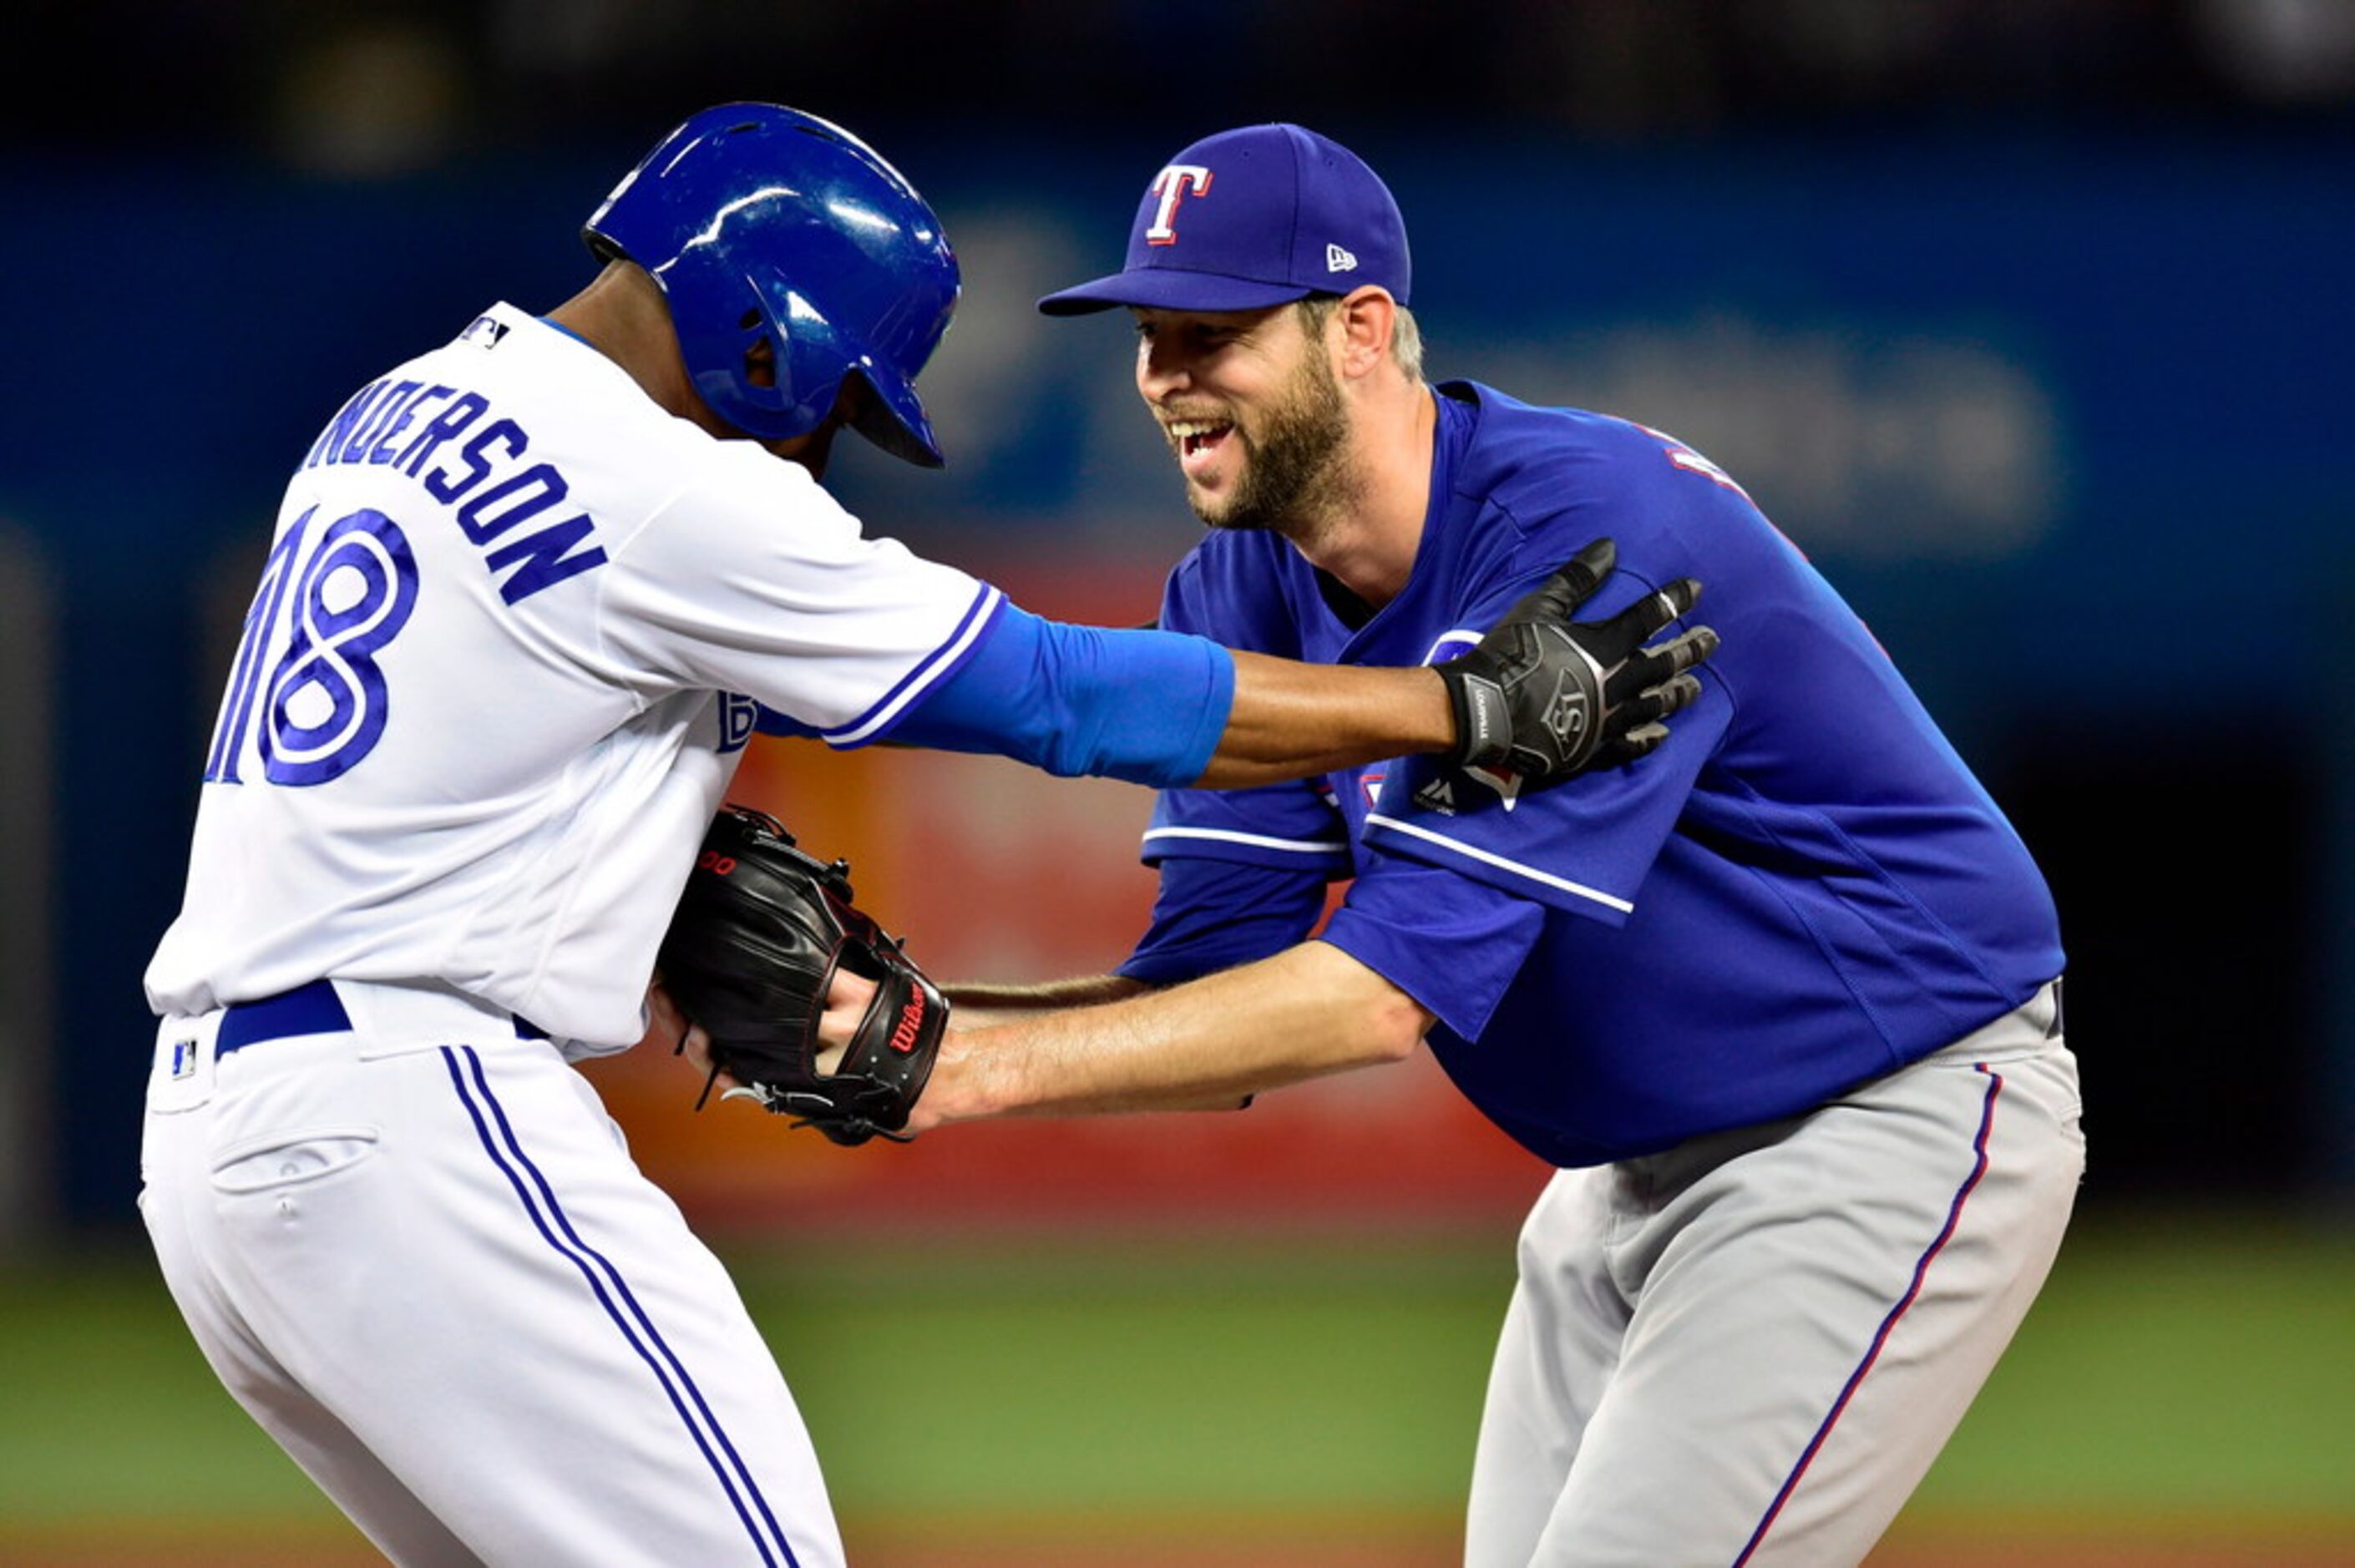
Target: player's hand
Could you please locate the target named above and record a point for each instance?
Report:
(846, 1004)
(668, 1028)
(1545, 698)
(846, 1000)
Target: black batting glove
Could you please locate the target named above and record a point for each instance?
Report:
(1547, 698)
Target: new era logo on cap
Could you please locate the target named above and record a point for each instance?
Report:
(1249, 219)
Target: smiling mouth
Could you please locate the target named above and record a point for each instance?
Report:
(1195, 439)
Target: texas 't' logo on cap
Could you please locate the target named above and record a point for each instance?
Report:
(1296, 213)
(1171, 186)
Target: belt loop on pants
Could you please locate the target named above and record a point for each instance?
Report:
(312, 1008)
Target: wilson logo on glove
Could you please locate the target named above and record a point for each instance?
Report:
(912, 1022)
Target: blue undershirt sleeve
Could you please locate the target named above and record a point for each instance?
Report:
(1144, 707)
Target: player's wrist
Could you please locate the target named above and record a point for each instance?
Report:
(1480, 725)
(959, 1087)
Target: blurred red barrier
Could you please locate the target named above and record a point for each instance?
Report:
(997, 872)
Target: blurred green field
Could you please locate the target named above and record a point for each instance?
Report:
(2182, 1387)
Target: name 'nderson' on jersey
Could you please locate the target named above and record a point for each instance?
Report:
(370, 430)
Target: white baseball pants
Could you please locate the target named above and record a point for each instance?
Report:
(416, 1251)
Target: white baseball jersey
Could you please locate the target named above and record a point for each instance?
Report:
(499, 671)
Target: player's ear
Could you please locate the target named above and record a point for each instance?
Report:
(855, 401)
(1365, 318)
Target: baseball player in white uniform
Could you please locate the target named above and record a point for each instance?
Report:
(528, 595)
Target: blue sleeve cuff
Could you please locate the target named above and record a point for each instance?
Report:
(1452, 945)
(1145, 706)
(1212, 914)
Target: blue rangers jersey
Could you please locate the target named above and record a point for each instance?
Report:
(1804, 889)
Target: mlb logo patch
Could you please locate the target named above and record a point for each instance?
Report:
(184, 1058)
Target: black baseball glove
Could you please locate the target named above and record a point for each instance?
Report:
(1544, 697)
(753, 950)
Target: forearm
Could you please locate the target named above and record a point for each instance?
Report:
(1309, 1010)
(981, 1006)
(1289, 720)
(1164, 709)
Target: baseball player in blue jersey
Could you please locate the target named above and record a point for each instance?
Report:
(528, 596)
(1781, 1002)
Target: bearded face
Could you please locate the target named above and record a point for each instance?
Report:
(1288, 450)
(1250, 408)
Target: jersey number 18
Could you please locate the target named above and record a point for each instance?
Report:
(321, 706)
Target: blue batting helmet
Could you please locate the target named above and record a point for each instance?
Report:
(760, 221)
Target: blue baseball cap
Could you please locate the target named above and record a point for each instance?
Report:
(1254, 217)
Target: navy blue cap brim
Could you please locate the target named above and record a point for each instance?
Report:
(1170, 288)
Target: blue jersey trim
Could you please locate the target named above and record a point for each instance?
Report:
(938, 666)
(605, 1282)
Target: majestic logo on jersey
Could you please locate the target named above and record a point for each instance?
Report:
(1443, 795)
(1337, 260)
(1171, 185)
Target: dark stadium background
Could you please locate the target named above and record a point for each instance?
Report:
(2030, 322)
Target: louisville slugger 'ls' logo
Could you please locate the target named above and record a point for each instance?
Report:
(1171, 185)
(1565, 713)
